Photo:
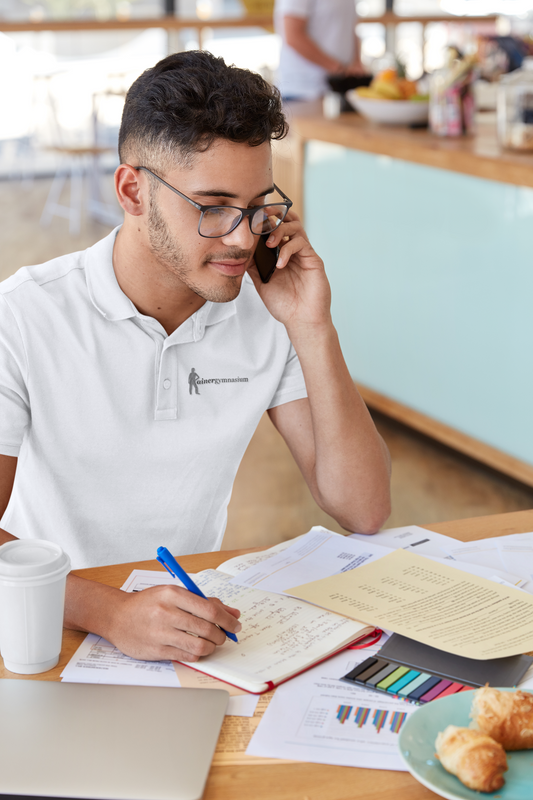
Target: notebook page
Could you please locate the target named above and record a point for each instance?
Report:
(280, 635)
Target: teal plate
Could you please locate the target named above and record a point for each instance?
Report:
(417, 748)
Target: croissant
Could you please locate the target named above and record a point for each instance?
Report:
(505, 716)
(477, 760)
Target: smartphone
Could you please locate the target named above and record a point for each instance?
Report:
(265, 258)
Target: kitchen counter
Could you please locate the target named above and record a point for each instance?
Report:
(427, 245)
(479, 155)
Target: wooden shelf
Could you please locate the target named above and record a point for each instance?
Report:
(394, 19)
(177, 23)
(168, 23)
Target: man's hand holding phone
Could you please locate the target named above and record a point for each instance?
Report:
(265, 258)
(297, 293)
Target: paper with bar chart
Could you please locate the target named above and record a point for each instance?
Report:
(317, 718)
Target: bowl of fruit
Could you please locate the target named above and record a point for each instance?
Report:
(391, 100)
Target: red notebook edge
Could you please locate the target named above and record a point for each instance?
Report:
(374, 637)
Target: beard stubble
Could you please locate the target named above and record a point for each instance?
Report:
(170, 255)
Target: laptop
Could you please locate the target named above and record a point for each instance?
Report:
(74, 740)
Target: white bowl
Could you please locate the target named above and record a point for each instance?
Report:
(390, 112)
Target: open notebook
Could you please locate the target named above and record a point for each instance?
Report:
(280, 636)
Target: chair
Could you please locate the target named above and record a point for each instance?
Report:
(80, 163)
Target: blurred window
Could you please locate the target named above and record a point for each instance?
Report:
(41, 10)
(370, 8)
(418, 8)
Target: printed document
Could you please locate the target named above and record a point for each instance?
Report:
(98, 661)
(322, 553)
(516, 553)
(241, 563)
(315, 555)
(484, 552)
(491, 574)
(412, 537)
(504, 559)
(318, 718)
(511, 553)
(432, 603)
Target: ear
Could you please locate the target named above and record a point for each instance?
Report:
(132, 190)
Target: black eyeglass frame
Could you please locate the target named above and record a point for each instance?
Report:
(244, 212)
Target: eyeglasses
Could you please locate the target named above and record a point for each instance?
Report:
(216, 221)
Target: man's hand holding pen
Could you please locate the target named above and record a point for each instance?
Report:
(170, 623)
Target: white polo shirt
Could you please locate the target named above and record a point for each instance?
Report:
(331, 24)
(127, 438)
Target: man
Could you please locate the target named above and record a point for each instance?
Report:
(193, 381)
(106, 449)
(317, 38)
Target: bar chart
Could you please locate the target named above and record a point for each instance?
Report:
(326, 721)
(379, 718)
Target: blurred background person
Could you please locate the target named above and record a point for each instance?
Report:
(318, 39)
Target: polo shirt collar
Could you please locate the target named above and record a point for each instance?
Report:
(109, 299)
(104, 291)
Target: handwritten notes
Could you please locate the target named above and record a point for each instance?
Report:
(280, 635)
(432, 603)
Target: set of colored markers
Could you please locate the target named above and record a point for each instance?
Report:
(413, 685)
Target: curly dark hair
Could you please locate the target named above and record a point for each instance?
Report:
(188, 100)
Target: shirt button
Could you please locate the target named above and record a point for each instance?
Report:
(166, 384)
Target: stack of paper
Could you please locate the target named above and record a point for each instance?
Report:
(379, 580)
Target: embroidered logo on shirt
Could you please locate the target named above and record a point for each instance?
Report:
(195, 381)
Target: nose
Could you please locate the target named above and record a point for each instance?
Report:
(241, 236)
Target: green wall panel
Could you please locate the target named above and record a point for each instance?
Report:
(432, 281)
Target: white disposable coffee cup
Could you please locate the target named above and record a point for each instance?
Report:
(33, 575)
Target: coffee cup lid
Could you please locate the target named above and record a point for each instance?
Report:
(27, 558)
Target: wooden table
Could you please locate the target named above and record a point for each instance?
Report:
(295, 781)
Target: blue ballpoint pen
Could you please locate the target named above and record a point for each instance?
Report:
(171, 565)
